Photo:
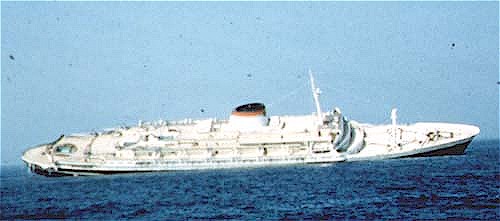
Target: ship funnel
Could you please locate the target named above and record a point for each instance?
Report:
(249, 117)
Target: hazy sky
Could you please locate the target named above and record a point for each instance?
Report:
(80, 66)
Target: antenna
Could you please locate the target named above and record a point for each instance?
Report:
(316, 92)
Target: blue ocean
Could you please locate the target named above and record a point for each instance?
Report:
(462, 187)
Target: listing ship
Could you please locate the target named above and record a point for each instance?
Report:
(249, 138)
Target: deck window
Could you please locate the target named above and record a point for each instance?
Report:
(65, 148)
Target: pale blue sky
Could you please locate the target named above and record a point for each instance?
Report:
(80, 66)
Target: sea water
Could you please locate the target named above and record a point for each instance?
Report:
(451, 187)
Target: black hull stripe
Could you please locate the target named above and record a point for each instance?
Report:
(458, 149)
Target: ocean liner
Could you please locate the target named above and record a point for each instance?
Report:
(249, 138)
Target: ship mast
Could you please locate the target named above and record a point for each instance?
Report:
(316, 92)
(394, 117)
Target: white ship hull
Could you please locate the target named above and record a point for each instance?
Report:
(40, 163)
(70, 169)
